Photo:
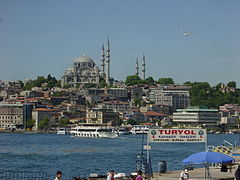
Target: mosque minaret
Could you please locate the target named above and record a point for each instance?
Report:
(143, 68)
(103, 60)
(108, 63)
(137, 68)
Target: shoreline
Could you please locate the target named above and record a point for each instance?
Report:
(28, 132)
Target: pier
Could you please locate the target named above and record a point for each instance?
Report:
(197, 174)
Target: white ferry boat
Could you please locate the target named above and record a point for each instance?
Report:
(63, 131)
(89, 131)
(139, 129)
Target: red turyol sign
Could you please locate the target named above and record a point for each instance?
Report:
(177, 135)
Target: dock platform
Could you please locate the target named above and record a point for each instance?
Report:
(197, 174)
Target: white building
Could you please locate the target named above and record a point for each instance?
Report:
(176, 96)
(197, 117)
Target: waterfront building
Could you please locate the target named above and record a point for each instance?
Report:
(178, 97)
(197, 117)
(11, 116)
(39, 114)
(101, 116)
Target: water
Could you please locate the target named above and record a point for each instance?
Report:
(82, 156)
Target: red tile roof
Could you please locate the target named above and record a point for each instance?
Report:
(152, 113)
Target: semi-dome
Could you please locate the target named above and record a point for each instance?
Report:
(84, 59)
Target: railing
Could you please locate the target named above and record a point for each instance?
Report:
(221, 149)
(23, 175)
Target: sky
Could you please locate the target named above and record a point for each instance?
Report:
(38, 38)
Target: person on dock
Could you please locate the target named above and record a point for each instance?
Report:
(111, 175)
(139, 175)
(237, 173)
(58, 175)
(184, 175)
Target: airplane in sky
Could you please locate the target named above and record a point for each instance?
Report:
(187, 33)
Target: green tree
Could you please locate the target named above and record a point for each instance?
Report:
(138, 101)
(64, 122)
(165, 81)
(102, 83)
(150, 81)
(39, 81)
(58, 84)
(44, 124)
(28, 86)
(231, 84)
(90, 85)
(30, 123)
(132, 80)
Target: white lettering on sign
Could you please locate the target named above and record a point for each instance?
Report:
(177, 135)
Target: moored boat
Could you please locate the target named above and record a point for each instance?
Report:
(91, 131)
(63, 131)
(139, 129)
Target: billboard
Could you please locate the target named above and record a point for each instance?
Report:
(177, 135)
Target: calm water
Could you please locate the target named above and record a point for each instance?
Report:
(74, 156)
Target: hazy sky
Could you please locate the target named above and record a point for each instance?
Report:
(42, 37)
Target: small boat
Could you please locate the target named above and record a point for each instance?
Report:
(90, 131)
(63, 131)
(139, 129)
(122, 131)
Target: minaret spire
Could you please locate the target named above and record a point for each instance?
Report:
(143, 67)
(103, 59)
(137, 68)
(108, 62)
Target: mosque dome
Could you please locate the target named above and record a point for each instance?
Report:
(85, 59)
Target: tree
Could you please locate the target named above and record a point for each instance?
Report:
(58, 84)
(44, 124)
(30, 123)
(231, 84)
(39, 81)
(64, 122)
(138, 101)
(90, 85)
(132, 80)
(28, 86)
(150, 81)
(165, 81)
(102, 83)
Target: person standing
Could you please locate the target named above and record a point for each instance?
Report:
(111, 175)
(58, 175)
(184, 175)
(237, 173)
(139, 175)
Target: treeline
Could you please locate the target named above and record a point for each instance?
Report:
(48, 83)
(202, 94)
(135, 79)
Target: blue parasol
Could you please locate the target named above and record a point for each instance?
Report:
(207, 157)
